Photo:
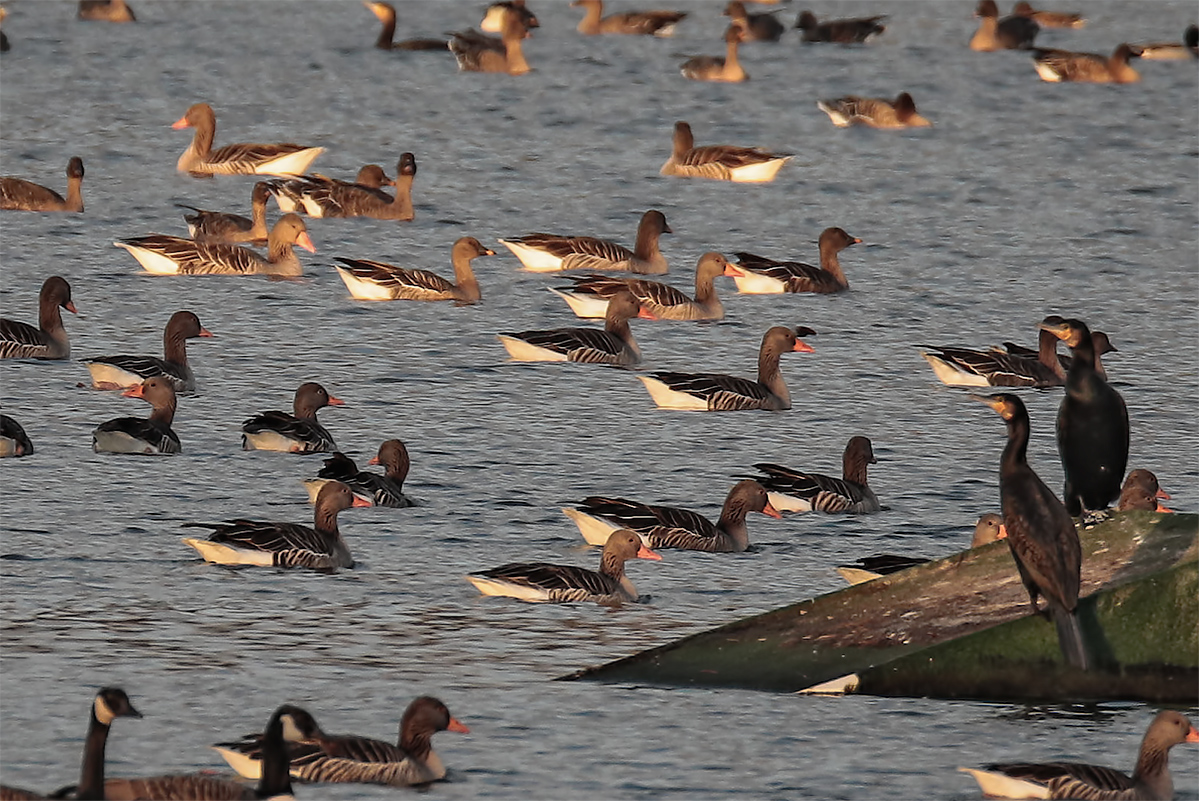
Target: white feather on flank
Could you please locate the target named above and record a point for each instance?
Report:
(753, 283)
(151, 261)
(668, 398)
(222, 554)
(522, 351)
(364, 290)
(296, 163)
(120, 442)
(508, 589)
(589, 307)
(759, 173)
(952, 375)
(534, 259)
(271, 441)
(997, 785)
(595, 530)
(788, 503)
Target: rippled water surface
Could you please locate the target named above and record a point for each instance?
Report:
(1025, 199)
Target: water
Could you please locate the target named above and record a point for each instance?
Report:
(1025, 199)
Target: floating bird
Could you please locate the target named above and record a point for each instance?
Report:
(1141, 491)
(794, 491)
(386, 14)
(720, 162)
(105, 11)
(201, 161)
(298, 432)
(49, 340)
(320, 196)
(376, 490)
(1009, 33)
(18, 194)
(223, 228)
(161, 254)
(650, 23)
(840, 31)
(590, 294)
(1048, 19)
(375, 280)
(613, 345)
(726, 69)
(118, 372)
(149, 436)
(1188, 48)
(1063, 65)
(13, 439)
(493, 18)
(1015, 367)
(988, 529)
(544, 253)
(875, 112)
(758, 275)
(763, 27)
(476, 52)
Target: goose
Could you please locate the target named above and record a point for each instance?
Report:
(476, 52)
(268, 544)
(1141, 491)
(13, 439)
(589, 296)
(386, 14)
(493, 18)
(757, 275)
(714, 392)
(1101, 342)
(375, 280)
(1057, 66)
(988, 529)
(613, 345)
(726, 69)
(319, 196)
(18, 194)
(795, 491)
(201, 161)
(323, 757)
(875, 112)
(1188, 48)
(840, 31)
(289, 192)
(720, 162)
(1015, 367)
(1150, 779)
(118, 372)
(298, 432)
(668, 527)
(160, 254)
(377, 490)
(546, 253)
(149, 436)
(540, 582)
(223, 228)
(105, 11)
(49, 340)
(649, 23)
(1048, 19)
(763, 27)
(1010, 33)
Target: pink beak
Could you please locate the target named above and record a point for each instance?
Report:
(646, 553)
(771, 511)
(456, 726)
(305, 241)
(181, 123)
(803, 347)
(336, 401)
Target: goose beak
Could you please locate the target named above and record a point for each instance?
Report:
(456, 726)
(361, 502)
(771, 511)
(1002, 535)
(1192, 736)
(733, 271)
(134, 391)
(336, 401)
(204, 332)
(305, 241)
(70, 307)
(646, 553)
(181, 123)
(803, 347)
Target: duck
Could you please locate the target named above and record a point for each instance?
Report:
(539, 582)
(1141, 492)
(377, 490)
(1188, 48)
(320, 196)
(1040, 532)
(148, 436)
(840, 31)
(49, 340)
(493, 17)
(376, 280)
(118, 372)
(201, 161)
(13, 439)
(269, 544)
(645, 23)
(714, 392)
(17, 194)
(795, 491)
(1009, 33)
(105, 11)
(223, 228)
(589, 296)
(874, 112)
(334, 758)
(988, 529)
(475, 52)
(386, 14)
(1048, 19)
(763, 27)
(161, 254)
(1056, 66)
(546, 253)
(298, 432)
(613, 345)
(720, 162)
(758, 275)
(1150, 778)
(726, 69)
(1014, 367)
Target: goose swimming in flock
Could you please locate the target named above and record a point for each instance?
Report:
(715, 392)
(1103, 345)
(298, 432)
(375, 280)
(386, 14)
(1150, 779)
(763, 27)
(726, 69)
(1048, 19)
(476, 52)
(758, 275)
(18, 194)
(13, 439)
(720, 162)
(322, 757)
(1010, 33)
(493, 18)
(1188, 48)
(149, 436)
(320, 196)
(118, 372)
(613, 345)
(839, 31)
(874, 112)
(49, 340)
(240, 159)
(794, 491)
(1141, 491)
(647, 23)
(988, 529)
(541, 582)
(161, 254)
(223, 228)
(1064, 65)
(105, 11)
(545, 253)
(1017, 367)
(590, 294)
(376, 490)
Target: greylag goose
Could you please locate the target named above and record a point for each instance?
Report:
(493, 18)
(476, 52)
(613, 345)
(714, 392)
(1017, 367)
(1057, 66)
(268, 544)
(1048, 19)
(223, 228)
(651, 23)
(1009, 33)
(49, 340)
(763, 27)
(149, 436)
(795, 491)
(1141, 492)
(1103, 345)
(105, 11)
(13, 439)
(1150, 779)
(839, 31)
(1040, 533)
(298, 432)
(726, 69)
(757, 275)
(545, 253)
(377, 490)
(541, 582)
(988, 529)
(161, 254)
(669, 527)
(386, 14)
(720, 162)
(319, 196)
(1188, 48)
(875, 112)
(375, 280)
(241, 159)
(590, 294)
(118, 372)
(18, 194)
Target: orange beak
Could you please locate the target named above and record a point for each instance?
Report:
(803, 347)
(1192, 736)
(1161, 508)
(456, 726)
(733, 271)
(361, 502)
(646, 314)
(646, 553)
(134, 391)
(71, 308)
(771, 511)
(374, 460)
(1002, 532)
(1161, 493)
(305, 241)
(336, 401)
(204, 332)
(181, 123)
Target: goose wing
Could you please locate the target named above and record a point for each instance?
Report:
(287, 425)
(393, 277)
(142, 366)
(998, 368)
(727, 155)
(798, 277)
(276, 538)
(825, 493)
(641, 517)
(161, 437)
(553, 577)
(1091, 776)
(245, 157)
(722, 392)
(579, 344)
(16, 337)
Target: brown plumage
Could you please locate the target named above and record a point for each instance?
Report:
(714, 68)
(105, 11)
(613, 345)
(476, 52)
(245, 158)
(792, 490)
(763, 27)
(840, 31)
(1009, 33)
(648, 23)
(374, 280)
(386, 14)
(18, 194)
(141, 435)
(1048, 19)
(1057, 66)
(720, 162)
(49, 340)
(298, 432)
(162, 254)
(1141, 492)
(759, 275)
(875, 112)
(590, 294)
(224, 228)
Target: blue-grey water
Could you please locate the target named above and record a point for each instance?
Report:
(1025, 199)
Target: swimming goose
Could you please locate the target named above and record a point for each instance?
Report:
(725, 69)
(715, 392)
(545, 253)
(13, 439)
(541, 582)
(106, 11)
(140, 435)
(590, 294)
(476, 52)
(840, 31)
(223, 228)
(377, 490)
(654, 23)
(289, 192)
(241, 159)
(1048, 19)
(1188, 48)
(613, 345)
(1017, 367)
(1099, 340)
(720, 162)
(988, 529)
(794, 491)
(875, 112)
(1141, 491)
(386, 14)
(298, 432)
(161, 254)
(493, 18)
(118, 372)
(375, 280)
(1057, 66)
(18, 194)
(1009, 33)
(49, 340)
(1150, 780)
(757, 275)
(763, 27)
(320, 196)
